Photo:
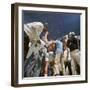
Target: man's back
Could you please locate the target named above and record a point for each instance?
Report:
(59, 46)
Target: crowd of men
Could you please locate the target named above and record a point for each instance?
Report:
(44, 57)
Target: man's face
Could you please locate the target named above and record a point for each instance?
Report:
(51, 47)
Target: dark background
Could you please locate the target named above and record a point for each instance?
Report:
(59, 24)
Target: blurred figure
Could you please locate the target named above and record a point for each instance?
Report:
(33, 62)
(44, 40)
(58, 58)
(48, 54)
(75, 53)
(45, 34)
(51, 53)
(66, 60)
